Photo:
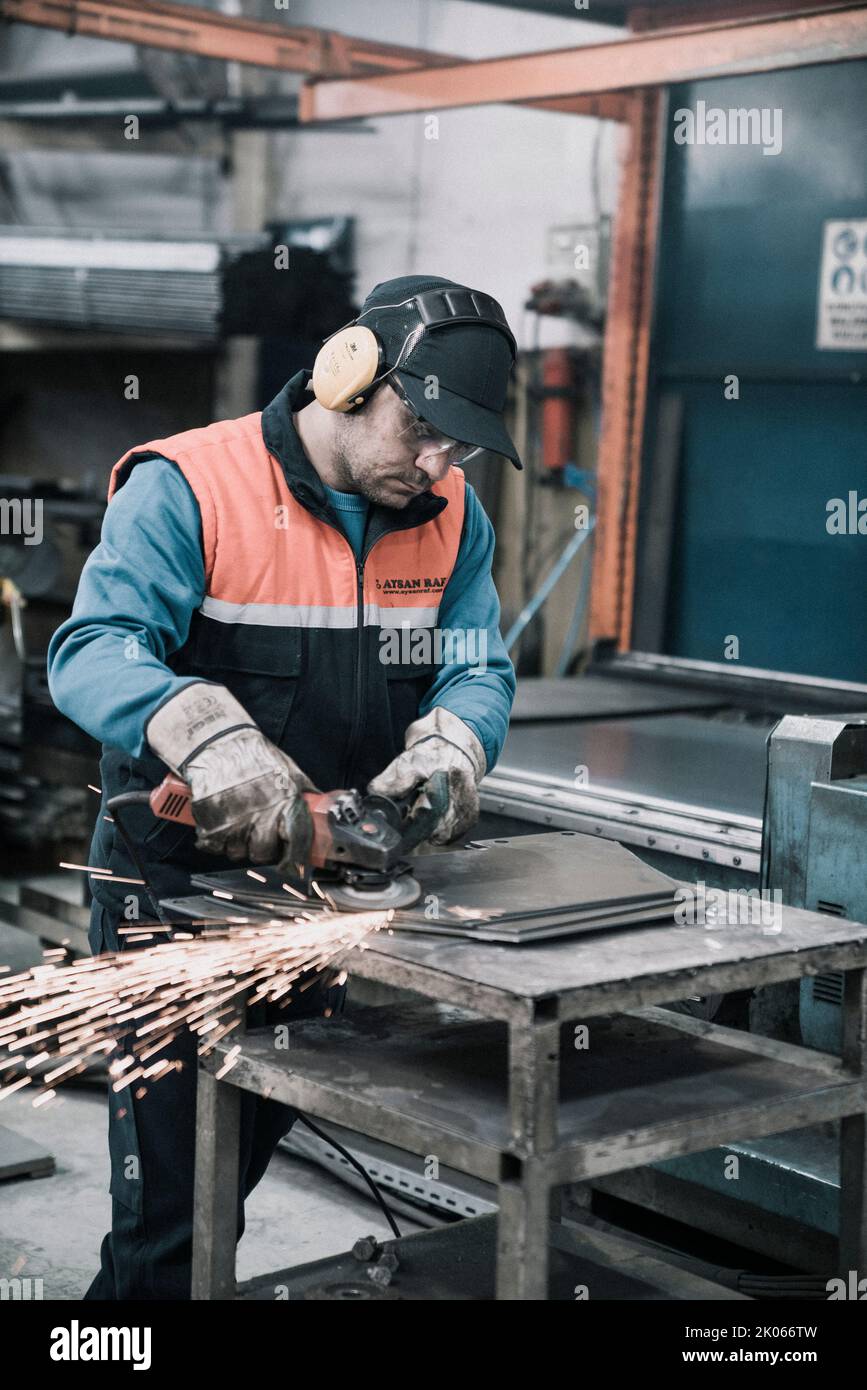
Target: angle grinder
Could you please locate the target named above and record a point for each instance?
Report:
(359, 841)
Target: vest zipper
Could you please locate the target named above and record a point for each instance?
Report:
(359, 651)
(356, 724)
(359, 627)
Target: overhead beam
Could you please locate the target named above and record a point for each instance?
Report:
(608, 106)
(646, 60)
(320, 53)
(210, 34)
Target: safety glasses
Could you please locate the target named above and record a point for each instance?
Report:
(428, 442)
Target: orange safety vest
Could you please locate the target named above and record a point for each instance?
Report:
(291, 622)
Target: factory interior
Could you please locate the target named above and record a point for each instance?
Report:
(606, 1041)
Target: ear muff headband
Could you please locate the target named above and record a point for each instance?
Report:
(351, 363)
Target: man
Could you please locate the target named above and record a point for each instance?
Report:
(230, 627)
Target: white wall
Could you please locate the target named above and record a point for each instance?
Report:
(473, 204)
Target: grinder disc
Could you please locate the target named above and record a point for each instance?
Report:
(400, 892)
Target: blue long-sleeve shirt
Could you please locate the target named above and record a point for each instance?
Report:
(146, 578)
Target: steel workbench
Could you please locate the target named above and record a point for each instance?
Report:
(491, 1071)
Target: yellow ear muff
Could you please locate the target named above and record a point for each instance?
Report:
(345, 366)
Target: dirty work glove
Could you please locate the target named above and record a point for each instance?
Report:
(440, 742)
(247, 800)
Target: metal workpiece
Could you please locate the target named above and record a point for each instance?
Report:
(678, 760)
(644, 823)
(731, 683)
(677, 783)
(602, 697)
(529, 888)
(536, 887)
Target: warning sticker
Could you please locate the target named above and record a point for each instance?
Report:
(842, 316)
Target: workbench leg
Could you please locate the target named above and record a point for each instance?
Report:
(522, 1233)
(853, 1133)
(524, 1192)
(534, 1083)
(215, 1196)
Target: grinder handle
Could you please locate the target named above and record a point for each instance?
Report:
(172, 800)
(431, 799)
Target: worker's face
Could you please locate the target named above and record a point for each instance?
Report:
(384, 452)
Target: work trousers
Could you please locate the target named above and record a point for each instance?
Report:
(147, 1253)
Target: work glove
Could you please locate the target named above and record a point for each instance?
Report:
(440, 742)
(246, 794)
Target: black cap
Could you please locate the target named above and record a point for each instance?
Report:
(471, 363)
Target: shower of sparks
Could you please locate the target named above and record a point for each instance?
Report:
(55, 1020)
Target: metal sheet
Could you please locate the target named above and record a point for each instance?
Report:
(678, 759)
(517, 888)
(531, 888)
(601, 697)
(205, 910)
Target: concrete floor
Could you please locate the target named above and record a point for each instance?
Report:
(51, 1228)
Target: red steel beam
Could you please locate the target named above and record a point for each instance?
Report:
(625, 365)
(608, 106)
(290, 48)
(210, 34)
(648, 59)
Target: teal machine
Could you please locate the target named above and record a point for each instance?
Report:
(730, 744)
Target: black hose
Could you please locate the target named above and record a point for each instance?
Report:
(114, 805)
(350, 1158)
